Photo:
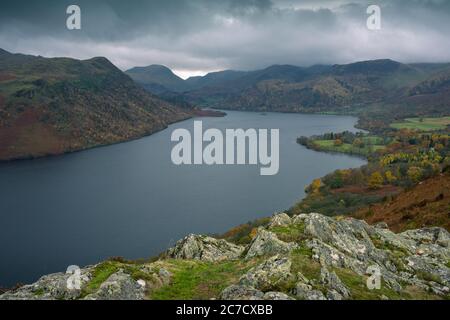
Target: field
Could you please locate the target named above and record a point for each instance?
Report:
(328, 145)
(423, 124)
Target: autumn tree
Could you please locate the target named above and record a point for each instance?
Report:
(390, 177)
(358, 143)
(338, 142)
(414, 173)
(314, 187)
(375, 180)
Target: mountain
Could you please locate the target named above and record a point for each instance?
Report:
(55, 105)
(157, 79)
(304, 257)
(315, 89)
(402, 89)
(214, 79)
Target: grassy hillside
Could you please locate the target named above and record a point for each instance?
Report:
(425, 205)
(424, 124)
(52, 106)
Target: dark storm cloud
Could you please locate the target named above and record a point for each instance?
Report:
(205, 35)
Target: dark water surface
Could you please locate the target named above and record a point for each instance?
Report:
(130, 200)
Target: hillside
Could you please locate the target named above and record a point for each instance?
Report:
(371, 89)
(427, 204)
(157, 79)
(306, 257)
(58, 105)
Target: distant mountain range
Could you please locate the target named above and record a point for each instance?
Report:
(57, 105)
(52, 106)
(413, 88)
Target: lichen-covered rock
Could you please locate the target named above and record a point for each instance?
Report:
(336, 289)
(277, 296)
(322, 248)
(408, 257)
(241, 292)
(272, 273)
(266, 243)
(305, 291)
(164, 275)
(50, 287)
(280, 219)
(119, 286)
(205, 249)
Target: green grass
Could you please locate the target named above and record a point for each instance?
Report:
(423, 124)
(39, 292)
(358, 287)
(328, 145)
(290, 233)
(100, 274)
(429, 277)
(302, 262)
(373, 140)
(199, 280)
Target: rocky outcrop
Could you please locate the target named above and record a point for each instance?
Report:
(332, 259)
(50, 287)
(242, 292)
(305, 291)
(280, 220)
(269, 275)
(336, 290)
(119, 286)
(204, 248)
(266, 243)
(416, 258)
(408, 257)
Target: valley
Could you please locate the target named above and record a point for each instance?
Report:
(55, 106)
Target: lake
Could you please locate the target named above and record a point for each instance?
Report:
(129, 199)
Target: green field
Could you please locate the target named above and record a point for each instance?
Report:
(328, 145)
(423, 124)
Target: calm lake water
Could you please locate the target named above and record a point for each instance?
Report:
(130, 200)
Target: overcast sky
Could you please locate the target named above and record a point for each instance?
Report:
(197, 36)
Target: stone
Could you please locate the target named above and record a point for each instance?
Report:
(241, 292)
(280, 220)
(49, 287)
(332, 282)
(205, 249)
(266, 243)
(119, 286)
(277, 296)
(306, 292)
(381, 225)
(269, 275)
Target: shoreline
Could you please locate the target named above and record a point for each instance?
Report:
(195, 114)
(157, 254)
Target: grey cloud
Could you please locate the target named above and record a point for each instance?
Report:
(240, 34)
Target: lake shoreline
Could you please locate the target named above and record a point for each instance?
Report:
(215, 225)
